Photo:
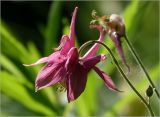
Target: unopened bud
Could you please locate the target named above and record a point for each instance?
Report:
(149, 91)
(116, 18)
(116, 23)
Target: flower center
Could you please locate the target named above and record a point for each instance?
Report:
(61, 87)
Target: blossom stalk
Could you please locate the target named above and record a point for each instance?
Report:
(120, 70)
(141, 64)
(115, 27)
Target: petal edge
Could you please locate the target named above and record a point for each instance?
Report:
(108, 81)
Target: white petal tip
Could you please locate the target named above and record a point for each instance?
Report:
(37, 89)
(103, 57)
(115, 89)
(26, 65)
(119, 90)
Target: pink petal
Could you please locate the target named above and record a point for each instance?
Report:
(40, 61)
(62, 42)
(56, 57)
(72, 58)
(50, 75)
(68, 42)
(108, 81)
(91, 62)
(64, 46)
(116, 39)
(72, 27)
(95, 47)
(67, 45)
(76, 82)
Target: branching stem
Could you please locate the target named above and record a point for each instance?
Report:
(120, 70)
(141, 65)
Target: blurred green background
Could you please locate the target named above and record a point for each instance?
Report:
(29, 30)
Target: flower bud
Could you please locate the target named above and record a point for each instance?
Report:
(116, 30)
(117, 23)
(149, 91)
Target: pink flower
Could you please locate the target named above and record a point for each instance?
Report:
(66, 67)
(52, 72)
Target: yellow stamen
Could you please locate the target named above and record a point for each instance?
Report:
(61, 87)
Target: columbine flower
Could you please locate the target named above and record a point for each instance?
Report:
(114, 26)
(66, 67)
(54, 70)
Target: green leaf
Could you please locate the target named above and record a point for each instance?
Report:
(53, 26)
(82, 109)
(9, 66)
(33, 50)
(16, 91)
(90, 93)
(68, 109)
(13, 48)
(11, 44)
(34, 56)
(130, 13)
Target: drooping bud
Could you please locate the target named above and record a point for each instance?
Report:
(116, 30)
(116, 23)
(149, 91)
(115, 27)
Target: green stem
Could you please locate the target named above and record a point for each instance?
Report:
(120, 70)
(140, 64)
(149, 103)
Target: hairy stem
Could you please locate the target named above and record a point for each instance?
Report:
(141, 65)
(120, 70)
